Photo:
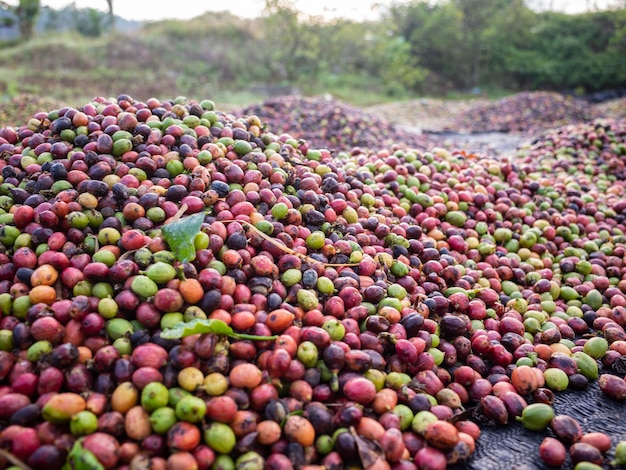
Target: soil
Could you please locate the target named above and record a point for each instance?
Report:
(514, 447)
(490, 143)
(493, 144)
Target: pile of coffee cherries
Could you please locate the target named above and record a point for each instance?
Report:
(181, 288)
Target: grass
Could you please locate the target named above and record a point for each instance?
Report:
(228, 100)
(483, 93)
(213, 57)
(165, 60)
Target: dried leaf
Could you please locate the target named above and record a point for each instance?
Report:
(369, 452)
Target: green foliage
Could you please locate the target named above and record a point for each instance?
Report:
(416, 48)
(358, 89)
(90, 22)
(398, 68)
(434, 34)
(568, 52)
(479, 43)
(290, 46)
(25, 13)
(53, 20)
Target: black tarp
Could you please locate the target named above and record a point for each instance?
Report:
(513, 447)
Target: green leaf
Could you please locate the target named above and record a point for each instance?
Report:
(197, 326)
(180, 234)
(80, 458)
(204, 326)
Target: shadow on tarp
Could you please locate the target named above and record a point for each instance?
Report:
(513, 447)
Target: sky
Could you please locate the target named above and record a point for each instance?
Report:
(151, 10)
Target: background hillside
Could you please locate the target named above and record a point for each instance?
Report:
(65, 19)
(469, 48)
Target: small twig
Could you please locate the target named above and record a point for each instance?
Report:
(285, 248)
(335, 265)
(14, 460)
(178, 214)
(126, 254)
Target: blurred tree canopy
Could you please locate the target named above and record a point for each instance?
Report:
(24, 14)
(416, 47)
(502, 43)
(454, 45)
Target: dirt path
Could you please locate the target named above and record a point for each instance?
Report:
(490, 143)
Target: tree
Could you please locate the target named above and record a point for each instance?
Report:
(477, 16)
(399, 69)
(291, 45)
(111, 15)
(433, 32)
(90, 22)
(510, 61)
(26, 12)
